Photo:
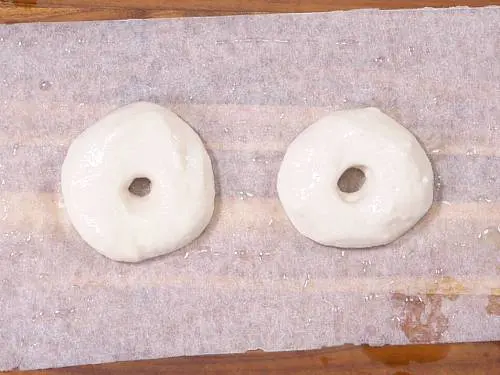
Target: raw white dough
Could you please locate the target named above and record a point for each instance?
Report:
(398, 187)
(139, 140)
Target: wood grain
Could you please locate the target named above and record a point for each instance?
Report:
(456, 359)
(470, 358)
(13, 11)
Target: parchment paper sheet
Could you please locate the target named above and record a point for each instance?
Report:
(249, 85)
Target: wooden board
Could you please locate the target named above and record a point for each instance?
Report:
(12, 11)
(456, 359)
(470, 358)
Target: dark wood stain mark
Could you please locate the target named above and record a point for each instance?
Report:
(324, 361)
(25, 3)
(395, 356)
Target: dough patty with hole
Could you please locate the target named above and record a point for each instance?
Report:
(142, 143)
(395, 191)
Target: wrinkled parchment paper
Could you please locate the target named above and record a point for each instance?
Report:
(249, 85)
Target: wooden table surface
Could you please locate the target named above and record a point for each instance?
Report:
(467, 358)
(78, 10)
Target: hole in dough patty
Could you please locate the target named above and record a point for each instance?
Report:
(352, 180)
(140, 187)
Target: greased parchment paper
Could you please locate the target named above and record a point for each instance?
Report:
(249, 85)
